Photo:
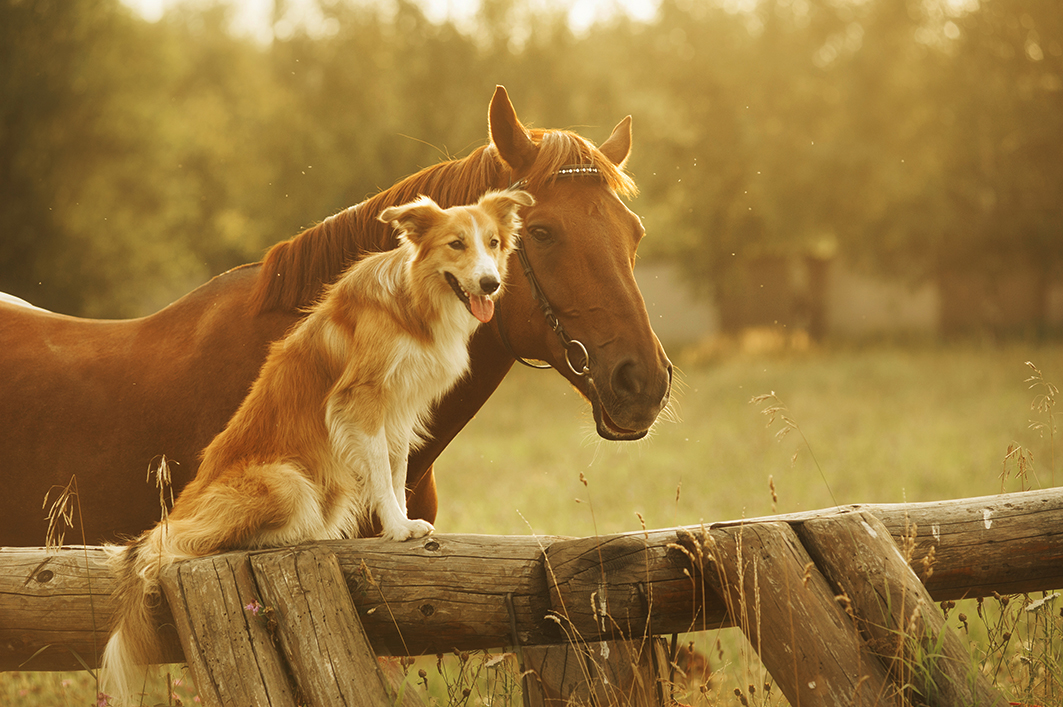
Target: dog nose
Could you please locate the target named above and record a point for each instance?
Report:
(488, 284)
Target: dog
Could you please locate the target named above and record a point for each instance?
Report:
(319, 446)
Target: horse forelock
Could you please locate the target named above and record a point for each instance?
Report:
(295, 271)
(563, 148)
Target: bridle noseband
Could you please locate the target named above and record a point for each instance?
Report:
(540, 298)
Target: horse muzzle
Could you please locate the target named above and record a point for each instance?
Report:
(627, 406)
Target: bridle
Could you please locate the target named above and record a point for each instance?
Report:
(540, 298)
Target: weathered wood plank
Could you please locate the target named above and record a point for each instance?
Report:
(1008, 543)
(56, 603)
(56, 609)
(605, 673)
(318, 628)
(790, 616)
(230, 650)
(448, 591)
(895, 612)
(624, 587)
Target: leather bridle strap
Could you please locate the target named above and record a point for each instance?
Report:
(540, 297)
(552, 321)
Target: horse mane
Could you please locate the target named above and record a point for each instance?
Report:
(294, 271)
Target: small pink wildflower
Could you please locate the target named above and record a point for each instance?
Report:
(103, 700)
(254, 607)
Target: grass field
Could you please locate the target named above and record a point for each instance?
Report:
(884, 424)
(876, 425)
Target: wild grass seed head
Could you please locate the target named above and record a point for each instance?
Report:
(60, 514)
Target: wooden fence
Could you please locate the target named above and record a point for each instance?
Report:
(334, 606)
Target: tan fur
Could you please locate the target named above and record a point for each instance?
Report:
(319, 446)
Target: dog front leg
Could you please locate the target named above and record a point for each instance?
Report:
(388, 490)
(400, 455)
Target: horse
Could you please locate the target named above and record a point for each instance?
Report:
(96, 405)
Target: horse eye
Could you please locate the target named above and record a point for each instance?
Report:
(539, 233)
(457, 245)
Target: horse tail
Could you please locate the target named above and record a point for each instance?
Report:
(134, 642)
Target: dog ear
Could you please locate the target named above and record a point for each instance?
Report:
(414, 219)
(503, 206)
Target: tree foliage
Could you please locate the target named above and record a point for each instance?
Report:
(137, 159)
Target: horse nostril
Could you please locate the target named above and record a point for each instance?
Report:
(627, 379)
(488, 285)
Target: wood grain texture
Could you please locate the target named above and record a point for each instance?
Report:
(230, 649)
(448, 591)
(318, 628)
(788, 612)
(894, 611)
(1008, 543)
(55, 607)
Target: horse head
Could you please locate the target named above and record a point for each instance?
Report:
(571, 299)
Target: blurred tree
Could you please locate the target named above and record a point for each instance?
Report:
(745, 134)
(70, 116)
(915, 137)
(879, 130)
(1004, 171)
(124, 154)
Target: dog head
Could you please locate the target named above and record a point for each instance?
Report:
(467, 245)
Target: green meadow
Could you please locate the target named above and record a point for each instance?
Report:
(874, 425)
(858, 424)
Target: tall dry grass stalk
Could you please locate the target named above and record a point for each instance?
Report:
(776, 410)
(61, 515)
(1044, 403)
(164, 483)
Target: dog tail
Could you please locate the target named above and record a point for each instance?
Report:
(134, 642)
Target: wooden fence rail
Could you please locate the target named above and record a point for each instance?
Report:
(455, 591)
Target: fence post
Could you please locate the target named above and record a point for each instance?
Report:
(895, 611)
(318, 627)
(790, 616)
(603, 673)
(229, 648)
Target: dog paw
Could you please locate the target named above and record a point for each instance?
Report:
(408, 530)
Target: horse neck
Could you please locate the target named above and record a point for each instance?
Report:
(294, 271)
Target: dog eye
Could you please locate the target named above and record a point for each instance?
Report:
(457, 245)
(494, 243)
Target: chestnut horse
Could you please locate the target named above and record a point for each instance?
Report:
(103, 400)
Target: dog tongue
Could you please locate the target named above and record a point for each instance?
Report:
(483, 308)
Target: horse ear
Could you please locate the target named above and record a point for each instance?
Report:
(618, 146)
(512, 141)
(413, 219)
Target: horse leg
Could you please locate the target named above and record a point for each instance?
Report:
(422, 500)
